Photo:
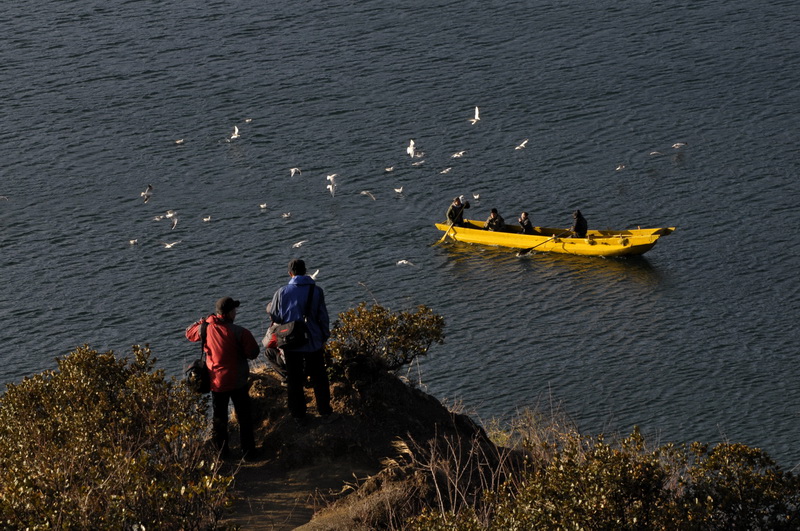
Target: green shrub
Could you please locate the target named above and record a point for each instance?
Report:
(577, 482)
(106, 443)
(394, 338)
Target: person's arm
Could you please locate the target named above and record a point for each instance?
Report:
(274, 308)
(322, 317)
(250, 347)
(193, 331)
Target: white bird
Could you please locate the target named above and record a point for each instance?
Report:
(170, 245)
(174, 222)
(314, 275)
(332, 187)
(410, 149)
(133, 242)
(4, 197)
(404, 262)
(294, 170)
(476, 196)
(457, 154)
(248, 120)
(446, 170)
(654, 153)
(298, 244)
(158, 218)
(620, 167)
(207, 218)
(418, 163)
(522, 145)
(368, 193)
(170, 214)
(678, 145)
(235, 134)
(263, 206)
(477, 117)
(390, 168)
(179, 141)
(147, 193)
(286, 215)
(399, 190)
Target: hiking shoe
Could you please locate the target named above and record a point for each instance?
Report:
(252, 455)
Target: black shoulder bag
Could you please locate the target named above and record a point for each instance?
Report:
(198, 378)
(295, 334)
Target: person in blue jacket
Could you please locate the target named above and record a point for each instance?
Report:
(292, 303)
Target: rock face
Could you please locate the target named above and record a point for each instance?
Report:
(400, 434)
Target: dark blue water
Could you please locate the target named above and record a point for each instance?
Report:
(694, 341)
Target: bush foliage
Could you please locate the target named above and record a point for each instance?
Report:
(571, 481)
(394, 338)
(106, 443)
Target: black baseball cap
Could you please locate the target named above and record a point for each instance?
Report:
(226, 304)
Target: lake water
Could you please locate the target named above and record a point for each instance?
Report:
(693, 341)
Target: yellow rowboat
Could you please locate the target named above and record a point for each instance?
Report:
(596, 242)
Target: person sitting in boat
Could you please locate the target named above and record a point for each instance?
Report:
(455, 214)
(525, 223)
(495, 222)
(580, 226)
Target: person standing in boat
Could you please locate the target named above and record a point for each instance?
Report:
(580, 226)
(525, 223)
(495, 222)
(455, 214)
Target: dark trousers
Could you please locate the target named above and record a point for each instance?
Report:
(244, 414)
(300, 365)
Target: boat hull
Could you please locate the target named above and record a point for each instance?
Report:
(596, 243)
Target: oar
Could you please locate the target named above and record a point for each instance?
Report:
(451, 224)
(523, 252)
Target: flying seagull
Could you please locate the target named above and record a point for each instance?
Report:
(446, 170)
(399, 190)
(294, 170)
(133, 242)
(263, 206)
(314, 274)
(410, 149)
(404, 262)
(368, 193)
(147, 193)
(678, 145)
(235, 134)
(179, 141)
(170, 245)
(207, 218)
(477, 117)
(457, 154)
(522, 145)
(298, 244)
(390, 168)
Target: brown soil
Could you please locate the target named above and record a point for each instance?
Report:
(332, 474)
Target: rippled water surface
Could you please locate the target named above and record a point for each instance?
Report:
(693, 341)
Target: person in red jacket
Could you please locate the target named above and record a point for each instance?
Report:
(228, 347)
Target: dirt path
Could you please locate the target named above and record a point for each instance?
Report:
(272, 499)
